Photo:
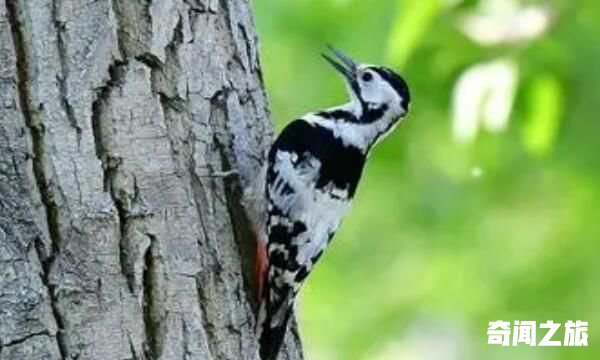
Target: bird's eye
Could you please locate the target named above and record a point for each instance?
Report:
(367, 77)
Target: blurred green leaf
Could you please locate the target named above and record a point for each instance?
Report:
(410, 25)
(545, 103)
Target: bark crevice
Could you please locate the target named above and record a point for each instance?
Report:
(240, 222)
(64, 70)
(134, 36)
(203, 300)
(23, 339)
(110, 163)
(39, 163)
(153, 300)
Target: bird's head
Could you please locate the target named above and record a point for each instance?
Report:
(376, 90)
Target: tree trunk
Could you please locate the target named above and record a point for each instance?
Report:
(121, 234)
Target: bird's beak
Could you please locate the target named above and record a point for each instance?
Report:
(344, 64)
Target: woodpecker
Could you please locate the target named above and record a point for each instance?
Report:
(313, 170)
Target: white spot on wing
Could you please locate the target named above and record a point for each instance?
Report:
(320, 210)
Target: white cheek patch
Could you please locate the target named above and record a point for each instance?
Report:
(372, 94)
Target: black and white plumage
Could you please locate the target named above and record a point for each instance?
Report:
(313, 170)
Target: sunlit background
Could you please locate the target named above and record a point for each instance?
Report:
(485, 204)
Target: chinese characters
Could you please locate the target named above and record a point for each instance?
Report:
(525, 332)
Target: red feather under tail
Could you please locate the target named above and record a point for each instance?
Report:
(260, 268)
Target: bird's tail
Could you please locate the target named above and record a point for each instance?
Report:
(271, 333)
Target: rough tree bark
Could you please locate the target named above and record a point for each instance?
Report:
(120, 235)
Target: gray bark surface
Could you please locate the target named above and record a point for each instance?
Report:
(121, 237)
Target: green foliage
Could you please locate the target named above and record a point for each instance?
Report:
(445, 235)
